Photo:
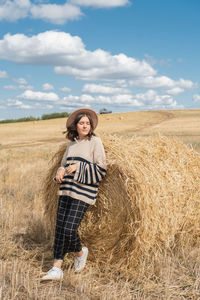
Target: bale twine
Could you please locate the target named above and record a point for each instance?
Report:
(148, 204)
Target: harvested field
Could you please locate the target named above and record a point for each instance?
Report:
(150, 250)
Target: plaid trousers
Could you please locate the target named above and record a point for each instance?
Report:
(69, 216)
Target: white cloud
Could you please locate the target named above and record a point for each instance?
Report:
(47, 87)
(70, 57)
(119, 100)
(103, 89)
(57, 14)
(18, 104)
(10, 87)
(101, 65)
(20, 80)
(154, 100)
(175, 91)
(54, 13)
(26, 87)
(196, 98)
(162, 82)
(49, 47)
(3, 74)
(71, 106)
(14, 10)
(70, 98)
(16, 87)
(39, 96)
(65, 89)
(100, 3)
(148, 100)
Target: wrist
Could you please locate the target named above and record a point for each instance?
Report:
(61, 168)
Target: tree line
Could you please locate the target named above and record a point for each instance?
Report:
(43, 117)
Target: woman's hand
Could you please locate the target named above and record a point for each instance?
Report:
(70, 169)
(59, 175)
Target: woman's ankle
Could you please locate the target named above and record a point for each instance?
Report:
(58, 263)
(79, 254)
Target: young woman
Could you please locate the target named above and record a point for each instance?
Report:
(83, 166)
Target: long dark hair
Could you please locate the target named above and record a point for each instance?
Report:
(71, 132)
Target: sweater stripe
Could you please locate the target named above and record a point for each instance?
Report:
(95, 171)
(64, 186)
(91, 176)
(77, 192)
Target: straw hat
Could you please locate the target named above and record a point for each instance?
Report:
(88, 111)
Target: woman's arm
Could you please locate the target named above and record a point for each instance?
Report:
(91, 173)
(61, 170)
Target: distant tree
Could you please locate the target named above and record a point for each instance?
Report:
(55, 116)
(25, 119)
(44, 117)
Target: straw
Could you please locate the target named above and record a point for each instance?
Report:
(148, 204)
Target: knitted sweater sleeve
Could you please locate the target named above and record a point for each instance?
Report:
(92, 173)
(64, 158)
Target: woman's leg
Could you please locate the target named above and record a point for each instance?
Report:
(69, 216)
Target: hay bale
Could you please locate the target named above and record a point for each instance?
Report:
(148, 203)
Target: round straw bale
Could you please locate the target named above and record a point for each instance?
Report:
(147, 204)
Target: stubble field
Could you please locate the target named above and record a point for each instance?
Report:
(25, 245)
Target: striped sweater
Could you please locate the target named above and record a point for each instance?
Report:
(89, 156)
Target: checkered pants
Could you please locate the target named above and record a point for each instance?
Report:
(69, 215)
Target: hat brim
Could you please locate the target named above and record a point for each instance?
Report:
(88, 111)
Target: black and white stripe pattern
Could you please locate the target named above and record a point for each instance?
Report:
(87, 172)
(84, 183)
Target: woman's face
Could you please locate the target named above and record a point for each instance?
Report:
(83, 127)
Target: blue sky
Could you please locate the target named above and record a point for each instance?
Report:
(124, 55)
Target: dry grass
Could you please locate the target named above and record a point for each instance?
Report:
(161, 262)
(148, 207)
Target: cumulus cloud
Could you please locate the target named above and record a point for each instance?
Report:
(3, 74)
(154, 100)
(175, 91)
(17, 104)
(49, 47)
(103, 89)
(196, 98)
(20, 80)
(70, 57)
(100, 3)
(162, 82)
(14, 10)
(148, 100)
(118, 100)
(65, 89)
(47, 87)
(16, 87)
(54, 13)
(101, 65)
(39, 96)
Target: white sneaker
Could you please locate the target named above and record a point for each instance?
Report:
(79, 262)
(53, 274)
